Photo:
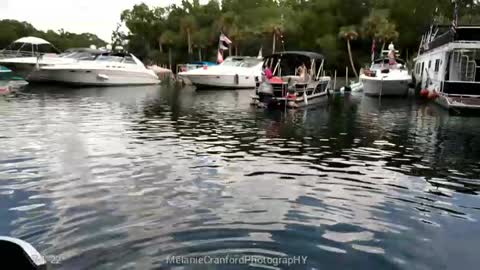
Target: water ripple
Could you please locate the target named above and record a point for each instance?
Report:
(125, 178)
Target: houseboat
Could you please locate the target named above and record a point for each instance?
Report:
(447, 68)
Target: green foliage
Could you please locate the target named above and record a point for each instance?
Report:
(317, 25)
(12, 30)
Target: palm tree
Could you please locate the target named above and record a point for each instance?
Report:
(349, 33)
(201, 39)
(388, 32)
(275, 28)
(168, 38)
(188, 24)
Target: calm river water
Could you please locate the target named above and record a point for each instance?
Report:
(125, 178)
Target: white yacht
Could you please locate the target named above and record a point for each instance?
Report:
(107, 69)
(447, 68)
(387, 76)
(234, 72)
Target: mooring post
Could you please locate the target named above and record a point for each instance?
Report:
(346, 76)
(335, 81)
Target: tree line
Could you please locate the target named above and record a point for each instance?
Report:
(189, 31)
(11, 30)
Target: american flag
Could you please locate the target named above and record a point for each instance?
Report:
(374, 47)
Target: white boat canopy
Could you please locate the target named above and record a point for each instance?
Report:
(32, 40)
(28, 47)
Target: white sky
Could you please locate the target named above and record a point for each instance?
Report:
(95, 16)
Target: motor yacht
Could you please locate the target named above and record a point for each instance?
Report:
(106, 69)
(234, 72)
(387, 76)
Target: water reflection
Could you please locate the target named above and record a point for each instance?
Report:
(123, 178)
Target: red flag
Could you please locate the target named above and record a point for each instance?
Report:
(219, 57)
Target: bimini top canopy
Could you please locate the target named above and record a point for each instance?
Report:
(287, 63)
(32, 40)
(28, 47)
(311, 55)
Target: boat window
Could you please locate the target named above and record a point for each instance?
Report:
(241, 62)
(437, 65)
(109, 58)
(128, 60)
(79, 55)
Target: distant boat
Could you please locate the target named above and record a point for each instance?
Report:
(387, 76)
(234, 72)
(296, 80)
(447, 68)
(9, 82)
(106, 69)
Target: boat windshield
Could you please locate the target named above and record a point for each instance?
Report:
(109, 58)
(241, 62)
(384, 63)
(79, 55)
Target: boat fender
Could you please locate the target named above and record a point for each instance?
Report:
(236, 79)
(432, 94)
(291, 96)
(424, 92)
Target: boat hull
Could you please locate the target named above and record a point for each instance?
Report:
(378, 87)
(221, 81)
(459, 104)
(92, 77)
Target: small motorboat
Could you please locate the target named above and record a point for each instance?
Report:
(9, 83)
(291, 84)
(18, 254)
(387, 76)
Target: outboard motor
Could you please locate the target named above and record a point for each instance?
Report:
(265, 91)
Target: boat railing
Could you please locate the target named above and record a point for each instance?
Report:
(461, 88)
(16, 53)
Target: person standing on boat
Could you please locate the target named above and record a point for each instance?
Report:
(391, 56)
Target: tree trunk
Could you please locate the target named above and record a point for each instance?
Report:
(160, 45)
(170, 58)
(273, 42)
(383, 46)
(189, 43)
(200, 54)
(351, 58)
(236, 50)
(229, 50)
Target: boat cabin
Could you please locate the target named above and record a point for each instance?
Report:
(449, 61)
